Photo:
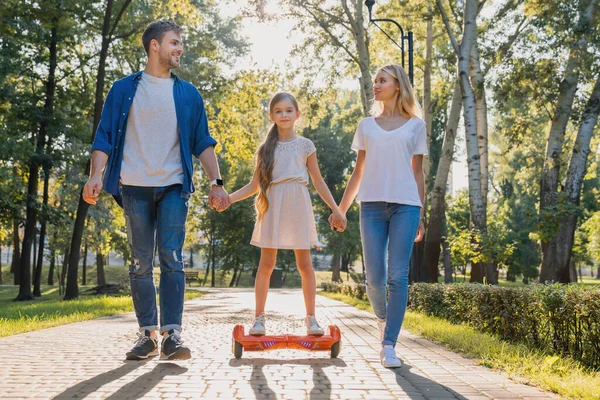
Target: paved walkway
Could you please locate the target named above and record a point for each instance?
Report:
(86, 360)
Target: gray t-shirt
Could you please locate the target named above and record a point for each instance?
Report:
(151, 155)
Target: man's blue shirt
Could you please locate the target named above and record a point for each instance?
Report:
(192, 125)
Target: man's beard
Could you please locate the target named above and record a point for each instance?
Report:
(166, 62)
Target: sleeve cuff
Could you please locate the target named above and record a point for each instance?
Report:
(105, 148)
(203, 145)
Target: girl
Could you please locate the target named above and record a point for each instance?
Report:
(388, 179)
(285, 218)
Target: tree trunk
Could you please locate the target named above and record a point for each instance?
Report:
(212, 263)
(433, 236)
(100, 276)
(37, 279)
(427, 109)
(63, 271)
(564, 239)
(34, 165)
(554, 257)
(34, 252)
(237, 281)
(335, 268)
(478, 81)
(52, 266)
(206, 273)
(510, 277)
(16, 258)
(572, 271)
(72, 291)
(84, 269)
(446, 253)
(235, 271)
(416, 262)
(191, 258)
(477, 204)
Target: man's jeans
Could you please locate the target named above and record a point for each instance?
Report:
(388, 229)
(155, 217)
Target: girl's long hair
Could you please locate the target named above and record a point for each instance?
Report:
(407, 103)
(266, 156)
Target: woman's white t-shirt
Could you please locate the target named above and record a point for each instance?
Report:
(388, 175)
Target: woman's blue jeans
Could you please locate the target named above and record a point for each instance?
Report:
(155, 217)
(388, 232)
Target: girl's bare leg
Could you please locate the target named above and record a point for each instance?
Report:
(309, 285)
(268, 257)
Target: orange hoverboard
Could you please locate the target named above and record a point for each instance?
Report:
(331, 342)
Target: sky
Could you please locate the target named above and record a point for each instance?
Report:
(270, 46)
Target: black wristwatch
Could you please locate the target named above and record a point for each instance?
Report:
(217, 182)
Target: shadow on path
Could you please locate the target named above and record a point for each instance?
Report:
(260, 385)
(134, 389)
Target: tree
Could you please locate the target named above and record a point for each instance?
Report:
(552, 268)
(53, 13)
(433, 236)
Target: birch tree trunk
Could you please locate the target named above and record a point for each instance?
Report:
(565, 236)
(551, 269)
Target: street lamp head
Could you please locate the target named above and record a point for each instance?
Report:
(370, 4)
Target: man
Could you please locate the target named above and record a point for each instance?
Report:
(152, 124)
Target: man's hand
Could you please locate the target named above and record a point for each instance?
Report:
(218, 198)
(92, 190)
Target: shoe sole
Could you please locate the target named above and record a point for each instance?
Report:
(256, 333)
(392, 366)
(133, 356)
(181, 354)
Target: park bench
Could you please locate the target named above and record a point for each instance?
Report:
(191, 275)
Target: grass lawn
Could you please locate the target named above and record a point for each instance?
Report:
(50, 310)
(564, 376)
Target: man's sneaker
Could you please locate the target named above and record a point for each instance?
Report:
(258, 328)
(145, 346)
(172, 347)
(313, 327)
(381, 326)
(389, 358)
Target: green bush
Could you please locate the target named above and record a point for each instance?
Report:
(560, 318)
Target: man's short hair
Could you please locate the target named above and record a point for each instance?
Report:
(156, 30)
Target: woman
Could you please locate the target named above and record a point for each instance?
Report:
(388, 182)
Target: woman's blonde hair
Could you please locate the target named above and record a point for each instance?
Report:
(407, 103)
(266, 156)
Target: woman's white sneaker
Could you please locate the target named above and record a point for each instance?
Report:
(313, 327)
(258, 328)
(388, 356)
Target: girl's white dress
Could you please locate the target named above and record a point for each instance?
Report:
(289, 222)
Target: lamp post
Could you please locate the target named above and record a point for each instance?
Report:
(408, 38)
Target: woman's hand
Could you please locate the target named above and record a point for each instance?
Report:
(337, 220)
(420, 231)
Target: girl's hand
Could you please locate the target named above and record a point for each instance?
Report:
(420, 231)
(337, 220)
(224, 204)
